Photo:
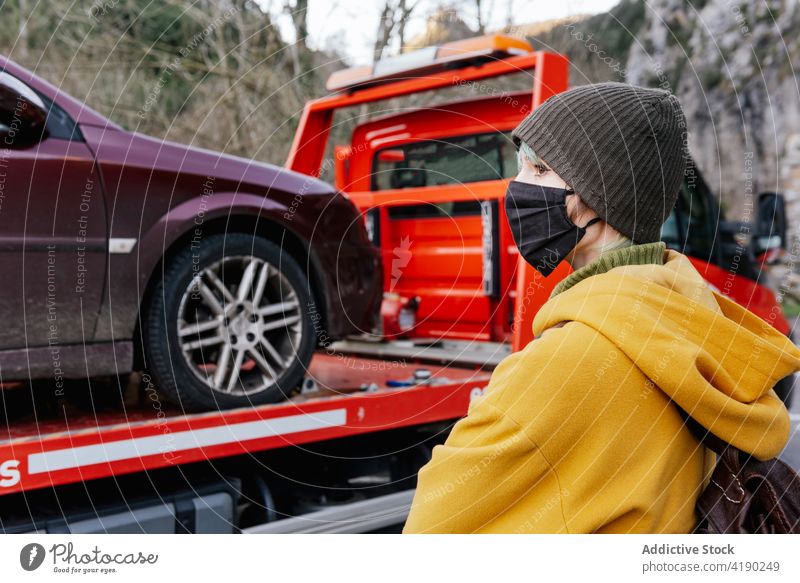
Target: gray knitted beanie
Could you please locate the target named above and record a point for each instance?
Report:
(620, 147)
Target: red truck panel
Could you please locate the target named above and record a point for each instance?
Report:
(35, 453)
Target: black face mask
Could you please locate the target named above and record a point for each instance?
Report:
(543, 232)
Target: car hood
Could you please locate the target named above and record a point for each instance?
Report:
(164, 155)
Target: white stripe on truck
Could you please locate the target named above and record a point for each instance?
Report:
(75, 457)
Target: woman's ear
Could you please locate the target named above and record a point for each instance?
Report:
(574, 207)
(578, 211)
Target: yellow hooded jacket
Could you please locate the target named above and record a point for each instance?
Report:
(576, 433)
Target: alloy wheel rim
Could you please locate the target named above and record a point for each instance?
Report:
(239, 325)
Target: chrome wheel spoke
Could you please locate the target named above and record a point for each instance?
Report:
(210, 341)
(200, 327)
(273, 309)
(217, 283)
(247, 280)
(235, 370)
(261, 284)
(222, 365)
(209, 298)
(273, 353)
(281, 323)
(263, 364)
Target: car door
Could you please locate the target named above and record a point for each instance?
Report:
(52, 224)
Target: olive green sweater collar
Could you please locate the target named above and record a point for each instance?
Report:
(633, 255)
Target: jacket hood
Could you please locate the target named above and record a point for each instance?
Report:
(717, 360)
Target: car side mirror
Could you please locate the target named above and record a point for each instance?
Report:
(23, 114)
(770, 228)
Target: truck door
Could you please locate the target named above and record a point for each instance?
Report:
(52, 224)
(442, 233)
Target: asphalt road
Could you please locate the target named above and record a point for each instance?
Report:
(791, 454)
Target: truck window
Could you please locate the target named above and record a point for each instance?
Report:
(689, 228)
(456, 160)
(458, 208)
(670, 230)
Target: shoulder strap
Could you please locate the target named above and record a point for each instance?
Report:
(711, 441)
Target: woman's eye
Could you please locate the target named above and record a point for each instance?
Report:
(540, 169)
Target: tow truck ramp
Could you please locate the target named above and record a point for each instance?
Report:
(343, 397)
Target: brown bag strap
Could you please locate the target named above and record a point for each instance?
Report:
(703, 435)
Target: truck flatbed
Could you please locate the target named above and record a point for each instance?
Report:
(343, 395)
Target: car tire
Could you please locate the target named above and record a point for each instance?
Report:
(228, 324)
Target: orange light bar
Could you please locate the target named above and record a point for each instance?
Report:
(427, 60)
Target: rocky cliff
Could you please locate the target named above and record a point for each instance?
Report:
(730, 63)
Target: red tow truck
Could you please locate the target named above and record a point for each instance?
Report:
(342, 454)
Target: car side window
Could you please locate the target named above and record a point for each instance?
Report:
(59, 124)
(457, 160)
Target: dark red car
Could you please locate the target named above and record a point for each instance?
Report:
(222, 274)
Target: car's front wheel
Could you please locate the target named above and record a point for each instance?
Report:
(228, 324)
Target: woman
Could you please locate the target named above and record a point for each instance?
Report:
(581, 431)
